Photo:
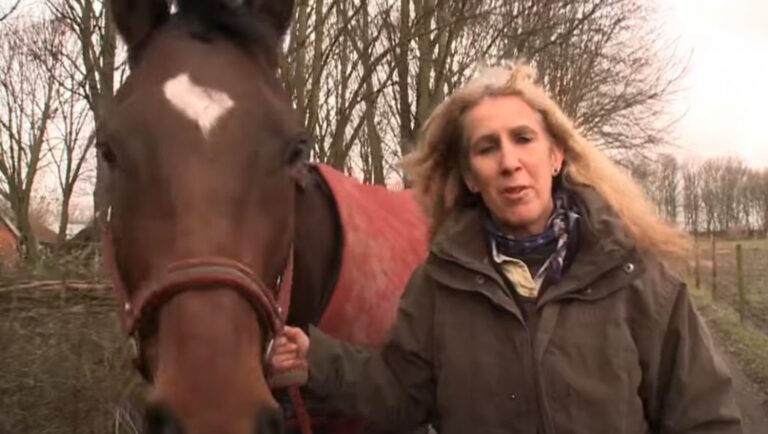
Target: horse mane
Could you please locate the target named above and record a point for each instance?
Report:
(232, 20)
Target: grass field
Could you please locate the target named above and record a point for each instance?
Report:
(63, 364)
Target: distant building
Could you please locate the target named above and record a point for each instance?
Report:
(44, 234)
(10, 236)
(74, 228)
(9, 243)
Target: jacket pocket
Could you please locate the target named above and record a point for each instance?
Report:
(591, 374)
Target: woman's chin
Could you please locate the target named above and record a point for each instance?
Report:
(518, 225)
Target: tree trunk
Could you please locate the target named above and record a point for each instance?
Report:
(316, 73)
(373, 136)
(105, 73)
(64, 216)
(407, 136)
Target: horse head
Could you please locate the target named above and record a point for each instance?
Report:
(203, 150)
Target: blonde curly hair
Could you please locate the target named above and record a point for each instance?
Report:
(436, 167)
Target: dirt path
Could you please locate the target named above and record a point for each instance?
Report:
(752, 402)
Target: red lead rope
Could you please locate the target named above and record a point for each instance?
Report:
(302, 415)
(291, 380)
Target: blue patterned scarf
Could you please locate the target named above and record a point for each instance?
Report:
(562, 223)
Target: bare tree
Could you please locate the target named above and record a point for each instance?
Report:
(27, 95)
(745, 204)
(725, 195)
(668, 186)
(94, 65)
(755, 200)
(643, 171)
(303, 65)
(732, 172)
(373, 140)
(762, 194)
(9, 11)
(67, 146)
(691, 192)
(596, 57)
(709, 173)
(70, 149)
(367, 75)
(433, 39)
(334, 70)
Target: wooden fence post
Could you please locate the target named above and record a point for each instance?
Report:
(714, 266)
(696, 262)
(740, 282)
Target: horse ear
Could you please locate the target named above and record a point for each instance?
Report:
(278, 13)
(137, 19)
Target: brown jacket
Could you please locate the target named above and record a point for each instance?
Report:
(619, 347)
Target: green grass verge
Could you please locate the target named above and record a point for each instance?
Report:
(747, 345)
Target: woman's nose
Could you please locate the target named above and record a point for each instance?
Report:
(509, 159)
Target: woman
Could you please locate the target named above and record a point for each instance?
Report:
(546, 304)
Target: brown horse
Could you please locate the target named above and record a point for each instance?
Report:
(211, 197)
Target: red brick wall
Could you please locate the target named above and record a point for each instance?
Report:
(9, 254)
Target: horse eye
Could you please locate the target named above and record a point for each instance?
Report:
(107, 154)
(298, 151)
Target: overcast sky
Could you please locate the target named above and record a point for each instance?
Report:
(726, 86)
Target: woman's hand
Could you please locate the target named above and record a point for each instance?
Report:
(290, 351)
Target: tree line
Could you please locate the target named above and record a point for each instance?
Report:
(363, 74)
(718, 195)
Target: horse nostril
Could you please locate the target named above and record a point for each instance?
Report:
(159, 420)
(270, 421)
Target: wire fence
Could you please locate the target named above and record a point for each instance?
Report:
(736, 273)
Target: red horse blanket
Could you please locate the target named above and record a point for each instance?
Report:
(385, 237)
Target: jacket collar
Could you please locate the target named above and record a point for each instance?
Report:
(460, 259)
(605, 261)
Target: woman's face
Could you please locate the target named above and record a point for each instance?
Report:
(512, 159)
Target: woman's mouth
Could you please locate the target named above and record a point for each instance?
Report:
(514, 193)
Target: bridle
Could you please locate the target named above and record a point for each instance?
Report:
(142, 304)
(271, 304)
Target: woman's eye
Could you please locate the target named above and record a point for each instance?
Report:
(523, 139)
(485, 147)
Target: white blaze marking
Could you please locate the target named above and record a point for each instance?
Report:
(200, 104)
